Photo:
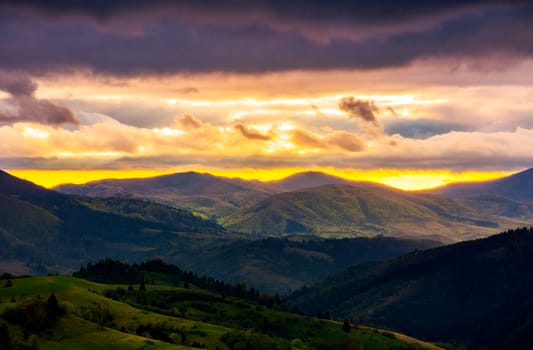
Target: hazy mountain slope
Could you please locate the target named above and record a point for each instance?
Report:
(336, 210)
(49, 231)
(518, 187)
(478, 291)
(171, 218)
(500, 206)
(202, 193)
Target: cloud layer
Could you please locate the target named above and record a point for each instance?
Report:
(159, 37)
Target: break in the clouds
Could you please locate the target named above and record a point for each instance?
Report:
(23, 106)
(160, 37)
(423, 128)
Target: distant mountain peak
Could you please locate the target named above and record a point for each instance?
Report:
(518, 187)
(308, 179)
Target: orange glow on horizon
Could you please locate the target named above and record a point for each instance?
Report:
(404, 179)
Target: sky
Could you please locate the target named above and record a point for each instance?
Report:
(414, 94)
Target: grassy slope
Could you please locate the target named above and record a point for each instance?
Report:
(75, 332)
(341, 210)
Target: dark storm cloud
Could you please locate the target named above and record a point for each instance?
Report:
(251, 133)
(295, 10)
(207, 36)
(17, 84)
(23, 106)
(359, 109)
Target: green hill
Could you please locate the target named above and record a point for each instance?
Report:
(477, 292)
(90, 315)
(343, 210)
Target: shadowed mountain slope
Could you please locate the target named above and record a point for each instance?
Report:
(50, 231)
(477, 292)
(517, 187)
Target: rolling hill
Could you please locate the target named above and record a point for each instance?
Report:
(180, 311)
(204, 194)
(477, 292)
(347, 210)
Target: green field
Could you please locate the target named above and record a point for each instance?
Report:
(184, 317)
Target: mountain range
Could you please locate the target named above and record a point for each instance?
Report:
(204, 194)
(43, 231)
(329, 206)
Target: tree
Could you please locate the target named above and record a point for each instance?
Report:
(186, 284)
(354, 321)
(142, 288)
(52, 307)
(9, 284)
(5, 338)
(34, 342)
(346, 325)
(102, 312)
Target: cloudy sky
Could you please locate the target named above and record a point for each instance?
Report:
(409, 93)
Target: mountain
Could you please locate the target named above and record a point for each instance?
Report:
(201, 193)
(517, 187)
(279, 265)
(477, 292)
(42, 230)
(171, 309)
(310, 179)
(346, 210)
